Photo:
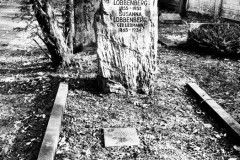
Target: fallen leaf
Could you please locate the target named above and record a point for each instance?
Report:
(26, 63)
(223, 151)
(207, 126)
(195, 131)
(217, 136)
(88, 152)
(40, 73)
(33, 139)
(43, 116)
(237, 148)
(28, 143)
(197, 148)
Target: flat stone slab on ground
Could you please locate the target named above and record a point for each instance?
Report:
(170, 18)
(120, 137)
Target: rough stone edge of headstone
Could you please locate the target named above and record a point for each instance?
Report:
(217, 110)
(110, 86)
(51, 137)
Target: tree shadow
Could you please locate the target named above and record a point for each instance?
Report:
(33, 68)
(86, 84)
(204, 52)
(31, 97)
(34, 120)
(28, 137)
(209, 117)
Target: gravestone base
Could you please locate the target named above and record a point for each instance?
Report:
(109, 86)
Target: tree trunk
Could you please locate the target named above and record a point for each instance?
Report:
(69, 24)
(217, 9)
(53, 36)
(84, 18)
(181, 8)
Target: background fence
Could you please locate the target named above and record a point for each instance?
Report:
(229, 9)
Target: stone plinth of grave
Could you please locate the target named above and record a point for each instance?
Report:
(120, 137)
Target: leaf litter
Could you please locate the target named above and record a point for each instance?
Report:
(170, 124)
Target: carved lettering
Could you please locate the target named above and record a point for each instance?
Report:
(131, 2)
(130, 16)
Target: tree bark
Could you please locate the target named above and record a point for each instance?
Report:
(70, 24)
(84, 18)
(182, 8)
(53, 35)
(217, 9)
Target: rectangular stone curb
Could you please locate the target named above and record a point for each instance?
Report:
(230, 122)
(50, 141)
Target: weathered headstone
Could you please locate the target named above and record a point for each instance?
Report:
(127, 34)
(120, 137)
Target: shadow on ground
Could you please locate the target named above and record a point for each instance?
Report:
(32, 97)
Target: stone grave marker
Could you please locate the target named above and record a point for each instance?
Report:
(120, 137)
(170, 18)
(127, 34)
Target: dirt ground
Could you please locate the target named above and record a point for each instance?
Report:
(170, 123)
(25, 100)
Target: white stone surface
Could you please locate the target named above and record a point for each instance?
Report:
(127, 34)
(120, 137)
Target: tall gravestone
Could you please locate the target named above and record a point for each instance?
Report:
(126, 34)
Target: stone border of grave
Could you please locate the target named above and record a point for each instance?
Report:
(51, 137)
(231, 124)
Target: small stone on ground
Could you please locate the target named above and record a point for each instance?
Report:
(170, 18)
(120, 137)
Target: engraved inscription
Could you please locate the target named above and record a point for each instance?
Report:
(130, 16)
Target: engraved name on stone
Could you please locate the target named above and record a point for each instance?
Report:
(129, 15)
